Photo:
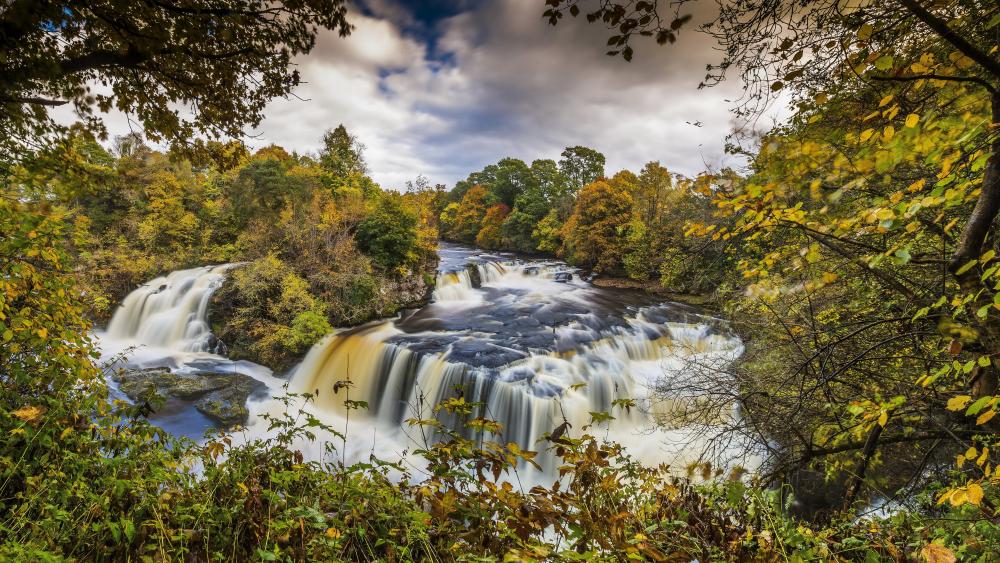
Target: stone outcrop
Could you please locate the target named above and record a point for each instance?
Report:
(219, 396)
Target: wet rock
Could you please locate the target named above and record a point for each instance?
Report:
(220, 396)
(563, 277)
(214, 345)
(474, 277)
(228, 406)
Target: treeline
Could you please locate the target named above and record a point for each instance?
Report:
(325, 245)
(629, 225)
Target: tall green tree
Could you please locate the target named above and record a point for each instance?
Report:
(342, 154)
(581, 166)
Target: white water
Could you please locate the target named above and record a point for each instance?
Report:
(534, 351)
(170, 312)
(164, 323)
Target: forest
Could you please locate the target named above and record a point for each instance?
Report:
(854, 258)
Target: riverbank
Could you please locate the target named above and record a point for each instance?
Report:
(704, 301)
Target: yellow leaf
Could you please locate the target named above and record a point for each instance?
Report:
(243, 488)
(958, 403)
(912, 120)
(959, 497)
(985, 417)
(42, 332)
(971, 453)
(867, 134)
(975, 493)
(935, 553)
(885, 100)
(864, 32)
(30, 414)
(883, 418)
(889, 132)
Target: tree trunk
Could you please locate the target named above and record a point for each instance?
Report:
(970, 247)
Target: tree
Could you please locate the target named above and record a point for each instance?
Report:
(341, 155)
(581, 166)
(890, 174)
(168, 223)
(594, 233)
(508, 179)
(262, 188)
(651, 191)
(388, 233)
(490, 235)
(222, 61)
(548, 234)
(470, 213)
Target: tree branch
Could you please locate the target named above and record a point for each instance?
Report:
(941, 28)
(974, 79)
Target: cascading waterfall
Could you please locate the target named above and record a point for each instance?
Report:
(533, 351)
(529, 345)
(459, 285)
(171, 312)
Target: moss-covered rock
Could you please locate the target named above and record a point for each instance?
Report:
(220, 396)
(226, 406)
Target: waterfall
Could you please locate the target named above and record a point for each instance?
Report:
(455, 286)
(528, 378)
(460, 285)
(171, 312)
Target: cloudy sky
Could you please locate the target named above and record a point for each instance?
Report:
(441, 88)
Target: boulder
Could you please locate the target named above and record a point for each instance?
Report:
(220, 396)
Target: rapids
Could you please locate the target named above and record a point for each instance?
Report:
(533, 351)
(508, 334)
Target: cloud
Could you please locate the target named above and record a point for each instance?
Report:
(446, 94)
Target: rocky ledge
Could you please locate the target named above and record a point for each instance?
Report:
(220, 396)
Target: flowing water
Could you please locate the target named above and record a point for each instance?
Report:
(164, 323)
(532, 348)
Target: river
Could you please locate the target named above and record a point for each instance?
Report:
(512, 335)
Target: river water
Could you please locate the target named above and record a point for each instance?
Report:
(513, 336)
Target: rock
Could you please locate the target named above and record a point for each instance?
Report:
(563, 277)
(474, 277)
(226, 407)
(220, 396)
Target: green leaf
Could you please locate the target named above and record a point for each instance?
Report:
(968, 266)
(974, 408)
